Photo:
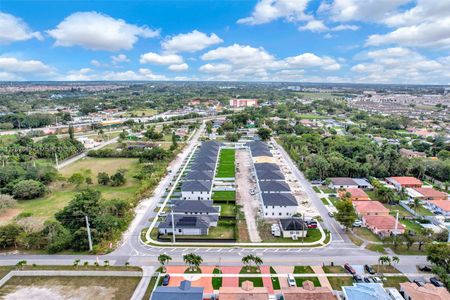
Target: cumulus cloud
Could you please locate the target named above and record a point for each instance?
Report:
(267, 11)
(161, 59)
(179, 67)
(96, 31)
(215, 68)
(13, 29)
(314, 26)
(86, 74)
(308, 60)
(117, 59)
(14, 65)
(190, 42)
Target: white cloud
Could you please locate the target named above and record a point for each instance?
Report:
(7, 76)
(308, 60)
(142, 74)
(84, 74)
(13, 29)
(161, 59)
(267, 11)
(14, 65)
(179, 67)
(190, 42)
(345, 27)
(96, 63)
(97, 31)
(117, 59)
(314, 26)
(215, 68)
(239, 54)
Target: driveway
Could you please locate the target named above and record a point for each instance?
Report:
(250, 203)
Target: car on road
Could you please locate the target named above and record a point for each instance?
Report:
(436, 282)
(252, 192)
(166, 280)
(357, 223)
(369, 269)
(357, 278)
(291, 280)
(350, 269)
(330, 214)
(424, 268)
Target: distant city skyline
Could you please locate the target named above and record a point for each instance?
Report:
(357, 41)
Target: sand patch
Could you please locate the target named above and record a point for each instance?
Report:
(60, 292)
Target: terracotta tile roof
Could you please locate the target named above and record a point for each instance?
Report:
(246, 292)
(430, 192)
(356, 193)
(370, 207)
(407, 180)
(426, 292)
(383, 222)
(442, 204)
(308, 292)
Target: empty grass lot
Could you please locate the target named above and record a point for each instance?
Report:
(226, 164)
(366, 234)
(334, 269)
(338, 282)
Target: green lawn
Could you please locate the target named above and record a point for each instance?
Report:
(325, 201)
(217, 281)
(312, 236)
(303, 270)
(316, 189)
(228, 210)
(366, 234)
(411, 225)
(338, 282)
(299, 281)
(394, 281)
(401, 211)
(385, 269)
(275, 280)
(376, 248)
(257, 281)
(355, 240)
(327, 190)
(334, 269)
(224, 196)
(226, 167)
(225, 229)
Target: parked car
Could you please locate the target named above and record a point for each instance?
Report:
(377, 280)
(350, 269)
(419, 282)
(367, 279)
(291, 280)
(357, 223)
(369, 269)
(166, 280)
(436, 282)
(357, 278)
(424, 268)
(330, 214)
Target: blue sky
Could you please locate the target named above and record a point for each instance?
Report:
(375, 41)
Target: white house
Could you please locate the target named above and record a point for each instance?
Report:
(278, 205)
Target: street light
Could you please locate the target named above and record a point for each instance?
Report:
(396, 225)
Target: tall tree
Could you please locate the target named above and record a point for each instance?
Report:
(346, 213)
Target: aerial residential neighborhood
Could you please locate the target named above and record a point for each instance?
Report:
(225, 150)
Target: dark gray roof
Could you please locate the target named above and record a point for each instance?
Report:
(199, 166)
(185, 291)
(279, 199)
(342, 181)
(293, 224)
(196, 186)
(199, 175)
(270, 175)
(274, 186)
(188, 221)
(194, 206)
(267, 167)
(206, 159)
(211, 144)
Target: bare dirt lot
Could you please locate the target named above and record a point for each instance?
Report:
(46, 288)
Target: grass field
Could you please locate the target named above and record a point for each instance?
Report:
(217, 281)
(224, 196)
(62, 192)
(411, 225)
(338, 282)
(334, 269)
(225, 168)
(142, 112)
(70, 287)
(385, 269)
(257, 281)
(275, 280)
(299, 281)
(376, 248)
(366, 234)
(394, 281)
(303, 270)
(267, 237)
(227, 210)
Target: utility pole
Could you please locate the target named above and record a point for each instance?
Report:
(396, 226)
(173, 227)
(89, 233)
(56, 161)
(303, 227)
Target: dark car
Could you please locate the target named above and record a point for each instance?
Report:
(436, 282)
(369, 269)
(166, 280)
(419, 282)
(367, 279)
(350, 269)
(424, 268)
(357, 278)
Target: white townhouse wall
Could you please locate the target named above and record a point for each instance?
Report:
(276, 211)
(196, 195)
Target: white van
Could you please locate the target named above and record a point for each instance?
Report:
(291, 280)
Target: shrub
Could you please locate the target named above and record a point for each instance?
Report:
(7, 201)
(29, 189)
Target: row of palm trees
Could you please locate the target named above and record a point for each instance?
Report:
(386, 260)
(193, 261)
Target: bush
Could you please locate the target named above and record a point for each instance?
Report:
(103, 178)
(118, 179)
(29, 189)
(7, 201)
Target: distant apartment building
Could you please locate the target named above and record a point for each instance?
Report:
(243, 102)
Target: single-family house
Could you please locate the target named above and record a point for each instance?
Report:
(308, 292)
(347, 182)
(293, 228)
(400, 182)
(356, 194)
(370, 208)
(185, 291)
(426, 194)
(441, 206)
(247, 292)
(412, 291)
(187, 224)
(196, 207)
(383, 225)
(365, 291)
(278, 205)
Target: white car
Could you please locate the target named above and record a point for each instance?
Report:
(357, 223)
(291, 280)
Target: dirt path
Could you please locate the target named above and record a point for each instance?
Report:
(244, 185)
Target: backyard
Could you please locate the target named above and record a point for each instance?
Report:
(225, 168)
(224, 196)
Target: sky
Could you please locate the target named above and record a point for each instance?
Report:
(358, 41)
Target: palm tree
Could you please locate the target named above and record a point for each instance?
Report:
(395, 259)
(192, 260)
(416, 203)
(247, 261)
(163, 260)
(383, 260)
(258, 261)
